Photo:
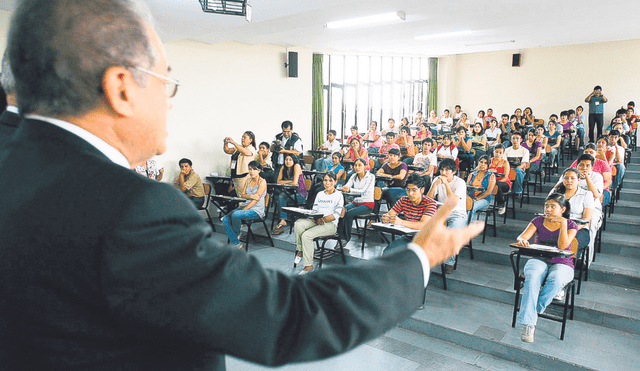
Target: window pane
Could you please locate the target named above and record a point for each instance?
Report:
(396, 98)
(336, 109)
(387, 102)
(415, 69)
(376, 103)
(376, 69)
(387, 69)
(325, 114)
(351, 68)
(337, 69)
(406, 69)
(363, 106)
(325, 70)
(363, 69)
(397, 69)
(349, 106)
(424, 69)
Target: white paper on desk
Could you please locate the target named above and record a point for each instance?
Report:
(399, 228)
(542, 247)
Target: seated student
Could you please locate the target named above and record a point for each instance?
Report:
(362, 182)
(426, 160)
(255, 191)
(354, 134)
(516, 124)
(384, 150)
(190, 183)
(445, 186)
(374, 135)
(457, 112)
(335, 168)
(393, 189)
(478, 141)
(328, 203)
(355, 152)
(423, 133)
(535, 152)
(542, 141)
(489, 117)
(480, 119)
(266, 166)
(333, 145)
(484, 179)
(493, 133)
(432, 122)
(241, 154)
(579, 122)
(518, 153)
(391, 127)
(407, 148)
(528, 117)
(501, 167)
(555, 229)
(553, 120)
(506, 127)
(581, 201)
(290, 173)
(463, 122)
(601, 167)
(412, 211)
(465, 155)
(447, 149)
(554, 142)
(618, 153)
(446, 121)
(624, 140)
(567, 128)
(574, 121)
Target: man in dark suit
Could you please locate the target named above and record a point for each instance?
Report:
(102, 269)
(10, 118)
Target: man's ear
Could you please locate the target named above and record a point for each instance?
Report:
(119, 89)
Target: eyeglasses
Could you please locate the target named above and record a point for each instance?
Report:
(170, 84)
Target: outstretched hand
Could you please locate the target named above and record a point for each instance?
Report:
(439, 242)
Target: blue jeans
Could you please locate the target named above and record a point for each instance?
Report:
(197, 201)
(615, 182)
(535, 301)
(479, 204)
(455, 221)
(517, 184)
(373, 149)
(322, 164)
(351, 211)
(606, 197)
(392, 195)
(233, 220)
(284, 200)
(581, 135)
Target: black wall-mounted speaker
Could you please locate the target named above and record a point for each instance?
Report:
(517, 59)
(293, 64)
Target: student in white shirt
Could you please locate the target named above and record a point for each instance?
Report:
(332, 145)
(329, 203)
(517, 151)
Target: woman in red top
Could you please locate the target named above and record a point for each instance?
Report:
(357, 151)
(500, 166)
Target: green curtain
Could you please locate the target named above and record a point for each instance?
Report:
(317, 128)
(433, 86)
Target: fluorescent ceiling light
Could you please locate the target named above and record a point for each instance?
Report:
(492, 43)
(445, 34)
(368, 21)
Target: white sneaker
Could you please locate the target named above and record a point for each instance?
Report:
(502, 210)
(303, 272)
(527, 333)
(560, 295)
(297, 259)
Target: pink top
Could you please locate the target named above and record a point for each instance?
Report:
(599, 167)
(372, 134)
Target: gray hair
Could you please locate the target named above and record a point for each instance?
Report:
(7, 81)
(60, 50)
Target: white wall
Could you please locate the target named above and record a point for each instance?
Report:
(549, 80)
(227, 89)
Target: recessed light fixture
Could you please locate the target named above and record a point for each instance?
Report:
(492, 43)
(369, 20)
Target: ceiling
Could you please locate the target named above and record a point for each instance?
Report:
(496, 24)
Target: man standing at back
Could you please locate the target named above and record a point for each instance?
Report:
(596, 112)
(103, 269)
(10, 118)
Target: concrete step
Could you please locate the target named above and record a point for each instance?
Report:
(600, 303)
(485, 325)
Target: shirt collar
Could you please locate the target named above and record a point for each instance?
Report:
(112, 154)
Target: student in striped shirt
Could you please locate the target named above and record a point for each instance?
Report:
(416, 209)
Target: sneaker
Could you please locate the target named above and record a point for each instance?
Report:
(527, 333)
(297, 259)
(448, 269)
(560, 295)
(242, 238)
(304, 271)
(502, 209)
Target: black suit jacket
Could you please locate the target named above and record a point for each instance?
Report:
(8, 124)
(103, 269)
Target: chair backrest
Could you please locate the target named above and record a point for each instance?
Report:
(207, 196)
(372, 163)
(512, 174)
(307, 183)
(469, 203)
(308, 160)
(377, 195)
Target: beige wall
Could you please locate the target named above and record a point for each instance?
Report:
(227, 89)
(549, 80)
